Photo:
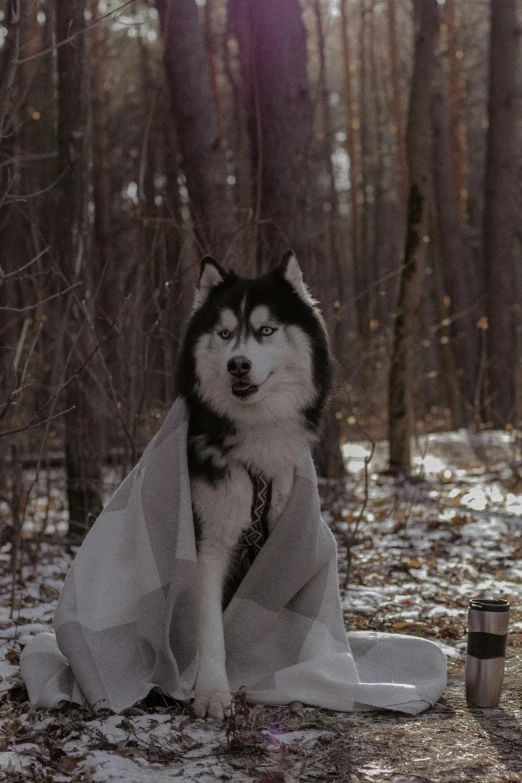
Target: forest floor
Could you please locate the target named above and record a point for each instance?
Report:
(421, 550)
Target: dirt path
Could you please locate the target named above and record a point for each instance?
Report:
(449, 743)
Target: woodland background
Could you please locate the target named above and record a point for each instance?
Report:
(379, 140)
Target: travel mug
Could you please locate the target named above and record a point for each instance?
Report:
(488, 622)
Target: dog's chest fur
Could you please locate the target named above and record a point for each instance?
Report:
(223, 507)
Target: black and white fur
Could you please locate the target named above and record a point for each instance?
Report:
(255, 371)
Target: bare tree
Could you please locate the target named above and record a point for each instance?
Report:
(272, 41)
(500, 211)
(210, 41)
(340, 269)
(204, 163)
(101, 146)
(459, 281)
(418, 148)
(367, 274)
(455, 96)
(352, 142)
(83, 430)
(395, 100)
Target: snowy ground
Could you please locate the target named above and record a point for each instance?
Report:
(421, 550)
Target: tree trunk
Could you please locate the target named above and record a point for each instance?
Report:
(418, 147)
(272, 42)
(455, 96)
(500, 211)
(243, 173)
(389, 200)
(456, 262)
(396, 103)
(210, 42)
(83, 436)
(212, 206)
(367, 123)
(441, 330)
(327, 124)
(352, 146)
(340, 275)
(101, 167)
(18, 137)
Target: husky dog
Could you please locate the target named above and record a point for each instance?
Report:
(255, 372)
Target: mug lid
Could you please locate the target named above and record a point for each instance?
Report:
(489, 605)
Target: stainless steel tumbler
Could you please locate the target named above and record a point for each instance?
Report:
(488, 622)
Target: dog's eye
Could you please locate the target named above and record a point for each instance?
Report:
(266, 331)
(225, 334)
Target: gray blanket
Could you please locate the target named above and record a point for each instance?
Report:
(126, 621)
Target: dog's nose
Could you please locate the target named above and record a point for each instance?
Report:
(238, 366)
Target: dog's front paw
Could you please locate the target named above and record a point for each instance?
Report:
(214, 704)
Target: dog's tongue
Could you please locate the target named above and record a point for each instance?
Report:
(241, 386)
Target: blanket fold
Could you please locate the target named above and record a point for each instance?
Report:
(127, 618)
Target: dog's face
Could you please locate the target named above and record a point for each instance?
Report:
(257, 347)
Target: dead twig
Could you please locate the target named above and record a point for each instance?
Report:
(17, 197)
(21, 385)
(6, 275)
(25, 427)
(28, 158)
(42, 301)
(112, 397)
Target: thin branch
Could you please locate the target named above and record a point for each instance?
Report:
(21, 384)
(4, 433)
(21, 343)
(5, 194)
(27, 158)
(6, 275)
(80, 368)
(42, 301)
(112, 397)
(31, 349)
(10, 400)
(74, 35)
(26, 196)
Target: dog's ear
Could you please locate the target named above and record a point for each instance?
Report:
(292, 274)
(210, 275)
